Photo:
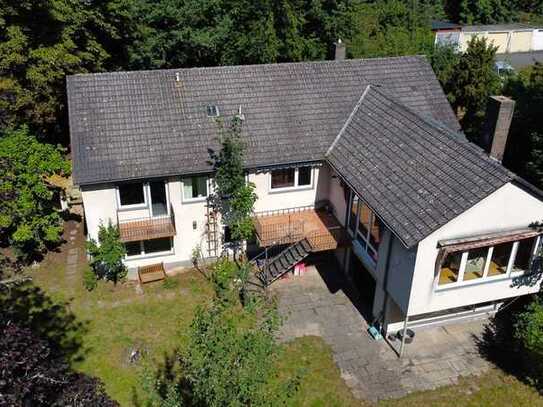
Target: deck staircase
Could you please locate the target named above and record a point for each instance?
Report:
(281, 264)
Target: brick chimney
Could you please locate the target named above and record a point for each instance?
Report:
(340, 50)
(499, 113)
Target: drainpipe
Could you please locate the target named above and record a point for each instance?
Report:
(403, 335)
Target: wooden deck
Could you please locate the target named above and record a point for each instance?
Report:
(321, 228)
(145, 229)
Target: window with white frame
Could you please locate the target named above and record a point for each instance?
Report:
(486, 263)
(195, 188)
(365, 226)
(284, 178)
(149, 247)
(132, 194)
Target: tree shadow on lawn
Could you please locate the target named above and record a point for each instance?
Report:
(29, 306)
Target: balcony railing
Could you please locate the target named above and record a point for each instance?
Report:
(318, 226)
(148, 227)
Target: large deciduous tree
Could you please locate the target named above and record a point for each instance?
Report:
(42, 41)
(175, 33)
(28, 218)
(482, 11)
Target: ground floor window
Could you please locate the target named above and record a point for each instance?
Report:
(503, 259)
(365, 226)
(149, 247)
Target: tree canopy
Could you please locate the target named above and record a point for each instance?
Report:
(28, 218)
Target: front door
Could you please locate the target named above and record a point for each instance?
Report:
(159, 198)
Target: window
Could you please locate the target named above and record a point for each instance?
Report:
(133, 248)
(194, 188)
(365, 227)
(475, 264)
(212, 111)
(227, 236)
(450, 268)
(304, 176)
(283, 178)
(157, 245)
(483, 263)
(147, 247)
(291, 178)
(500, 259)
(131, 194)
(523, 257)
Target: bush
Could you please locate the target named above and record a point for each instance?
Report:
(90, 281)
(107, 255)
(529, 331)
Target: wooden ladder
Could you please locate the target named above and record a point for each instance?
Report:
(212, 232)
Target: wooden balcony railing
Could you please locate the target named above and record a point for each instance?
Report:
(150, 227)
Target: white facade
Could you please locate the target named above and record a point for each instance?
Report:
(406, 280)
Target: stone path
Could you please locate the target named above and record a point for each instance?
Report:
(437, 356)
(74, 252)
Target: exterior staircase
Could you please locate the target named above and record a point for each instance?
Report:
(276, 267)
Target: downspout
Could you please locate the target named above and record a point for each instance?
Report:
(403, 335)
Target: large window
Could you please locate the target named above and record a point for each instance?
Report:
(365, 227)
(503, 259)
(149, 247)
(194, 188)
(291, 178)
(131, 194)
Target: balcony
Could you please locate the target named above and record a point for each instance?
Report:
(319, 226)
(148, 227)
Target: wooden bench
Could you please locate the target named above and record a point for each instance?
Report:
(153, 272)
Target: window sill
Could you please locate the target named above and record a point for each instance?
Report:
(128, 208)
(149, 256)
(480, 281)
(290, 189)
(194, 200)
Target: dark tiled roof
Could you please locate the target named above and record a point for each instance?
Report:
(414, 173)
(142, 124)
(497, 28)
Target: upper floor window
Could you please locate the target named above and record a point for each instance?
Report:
(195, 188)
(131, 194)
(365, 226)
(481, 263)
(291, 177)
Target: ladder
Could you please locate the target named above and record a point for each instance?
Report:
(212, 232)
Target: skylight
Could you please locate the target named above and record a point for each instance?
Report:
(212, 111)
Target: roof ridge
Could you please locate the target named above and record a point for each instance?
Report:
(348, 121)
(195, 68)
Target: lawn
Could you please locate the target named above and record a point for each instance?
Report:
(118, 319)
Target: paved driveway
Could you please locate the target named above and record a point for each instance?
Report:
(372, 370)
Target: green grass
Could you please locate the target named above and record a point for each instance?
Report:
(118, 318)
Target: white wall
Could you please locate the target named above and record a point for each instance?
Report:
(508, 208)
(269, 199)
(100, 203)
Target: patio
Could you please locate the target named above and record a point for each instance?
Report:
(322, 303)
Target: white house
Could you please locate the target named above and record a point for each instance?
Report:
(362, 158)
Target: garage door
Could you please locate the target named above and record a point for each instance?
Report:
(521, 41)
(537, 40)
(499, 40)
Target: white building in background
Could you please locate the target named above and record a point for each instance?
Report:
(360, 158)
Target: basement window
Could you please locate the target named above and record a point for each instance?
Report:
(212, 111)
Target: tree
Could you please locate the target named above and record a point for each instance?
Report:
(474, 79)
(481, 11)
(175, 33)
(228, 356)
(394, 27)
(28, 218)
(107, 255)
(444, 60)
(234, 197)
(528, 331)
(40, 377)
(42, 41)
(524, 151)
